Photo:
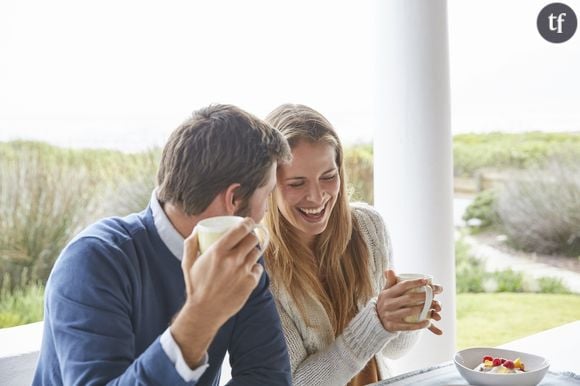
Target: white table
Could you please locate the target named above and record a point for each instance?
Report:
(19, 348)
(559, 345)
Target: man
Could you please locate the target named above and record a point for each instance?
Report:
(129, 301)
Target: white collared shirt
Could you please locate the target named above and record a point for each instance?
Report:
(174, 242)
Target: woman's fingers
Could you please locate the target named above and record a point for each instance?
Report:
(435, 316)
(402, 313)
(391, 278)
(435, 330)
(408, 299)
(437, 289)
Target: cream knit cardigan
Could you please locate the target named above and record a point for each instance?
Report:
(316, 357)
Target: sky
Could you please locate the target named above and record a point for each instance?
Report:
(124, 74)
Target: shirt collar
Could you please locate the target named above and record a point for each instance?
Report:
(168, 234)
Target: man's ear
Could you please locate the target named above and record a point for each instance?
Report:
(230, 201)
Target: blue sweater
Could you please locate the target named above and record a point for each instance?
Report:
(114, 290)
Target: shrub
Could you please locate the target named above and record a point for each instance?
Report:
(551, 285)
(48, 194)
(21, 306)
(471, 276)
(359, 168)
(481, 213)
(509, 280)
(539, 208)
(469, 270)
(44, 200)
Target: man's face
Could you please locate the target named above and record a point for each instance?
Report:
(258, 202)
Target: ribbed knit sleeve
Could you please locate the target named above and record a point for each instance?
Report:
(316, 358)
(340, 361)
(378, 241)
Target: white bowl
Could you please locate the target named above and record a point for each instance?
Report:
(466, 360)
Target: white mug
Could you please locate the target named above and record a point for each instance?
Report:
(211, 229)
(423, 315)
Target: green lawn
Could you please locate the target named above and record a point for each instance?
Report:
(495, 319)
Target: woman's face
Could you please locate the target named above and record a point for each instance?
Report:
(307, 188)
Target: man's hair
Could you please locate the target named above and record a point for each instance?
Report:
(218, 146)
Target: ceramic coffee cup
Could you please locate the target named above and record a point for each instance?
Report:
(427, 289)
(212, 229)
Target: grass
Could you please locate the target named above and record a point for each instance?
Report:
(495, 319)
(21, 306)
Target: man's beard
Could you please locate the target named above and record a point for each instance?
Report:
(244, 210)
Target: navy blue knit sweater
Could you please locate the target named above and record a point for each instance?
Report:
(114, 290)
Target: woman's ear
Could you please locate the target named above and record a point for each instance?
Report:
(231, 203)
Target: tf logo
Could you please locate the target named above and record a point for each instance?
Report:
(557, 22)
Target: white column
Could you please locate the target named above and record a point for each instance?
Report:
(413, 154)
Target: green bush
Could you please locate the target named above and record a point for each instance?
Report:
(359, 168)
(539, 208)
(482, 210)
(509, 280)
(551, 285)
(469, 271)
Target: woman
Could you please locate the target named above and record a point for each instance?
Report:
(329, 264)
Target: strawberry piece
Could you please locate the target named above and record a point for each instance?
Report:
(509, 365)
(496, 362)
(487, 358)
(502, 360)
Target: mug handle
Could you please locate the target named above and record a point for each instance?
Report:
(266, 238)
(428, 301)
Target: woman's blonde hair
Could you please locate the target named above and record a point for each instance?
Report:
(335, 272)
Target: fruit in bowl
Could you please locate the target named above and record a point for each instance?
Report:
(500, 365)
(506, 367)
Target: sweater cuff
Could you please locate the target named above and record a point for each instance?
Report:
(173, 351)
(365, 334)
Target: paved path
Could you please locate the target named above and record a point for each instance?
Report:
(498, 260)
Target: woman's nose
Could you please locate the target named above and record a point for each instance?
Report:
(315, 194)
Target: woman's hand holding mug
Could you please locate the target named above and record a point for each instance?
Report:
(406, 303)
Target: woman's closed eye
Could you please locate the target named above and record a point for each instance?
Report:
(329, 178)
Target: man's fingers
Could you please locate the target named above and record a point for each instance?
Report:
(252, 257)
(246, 250)
(190, 252)
(257, 271)
(236, 234)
